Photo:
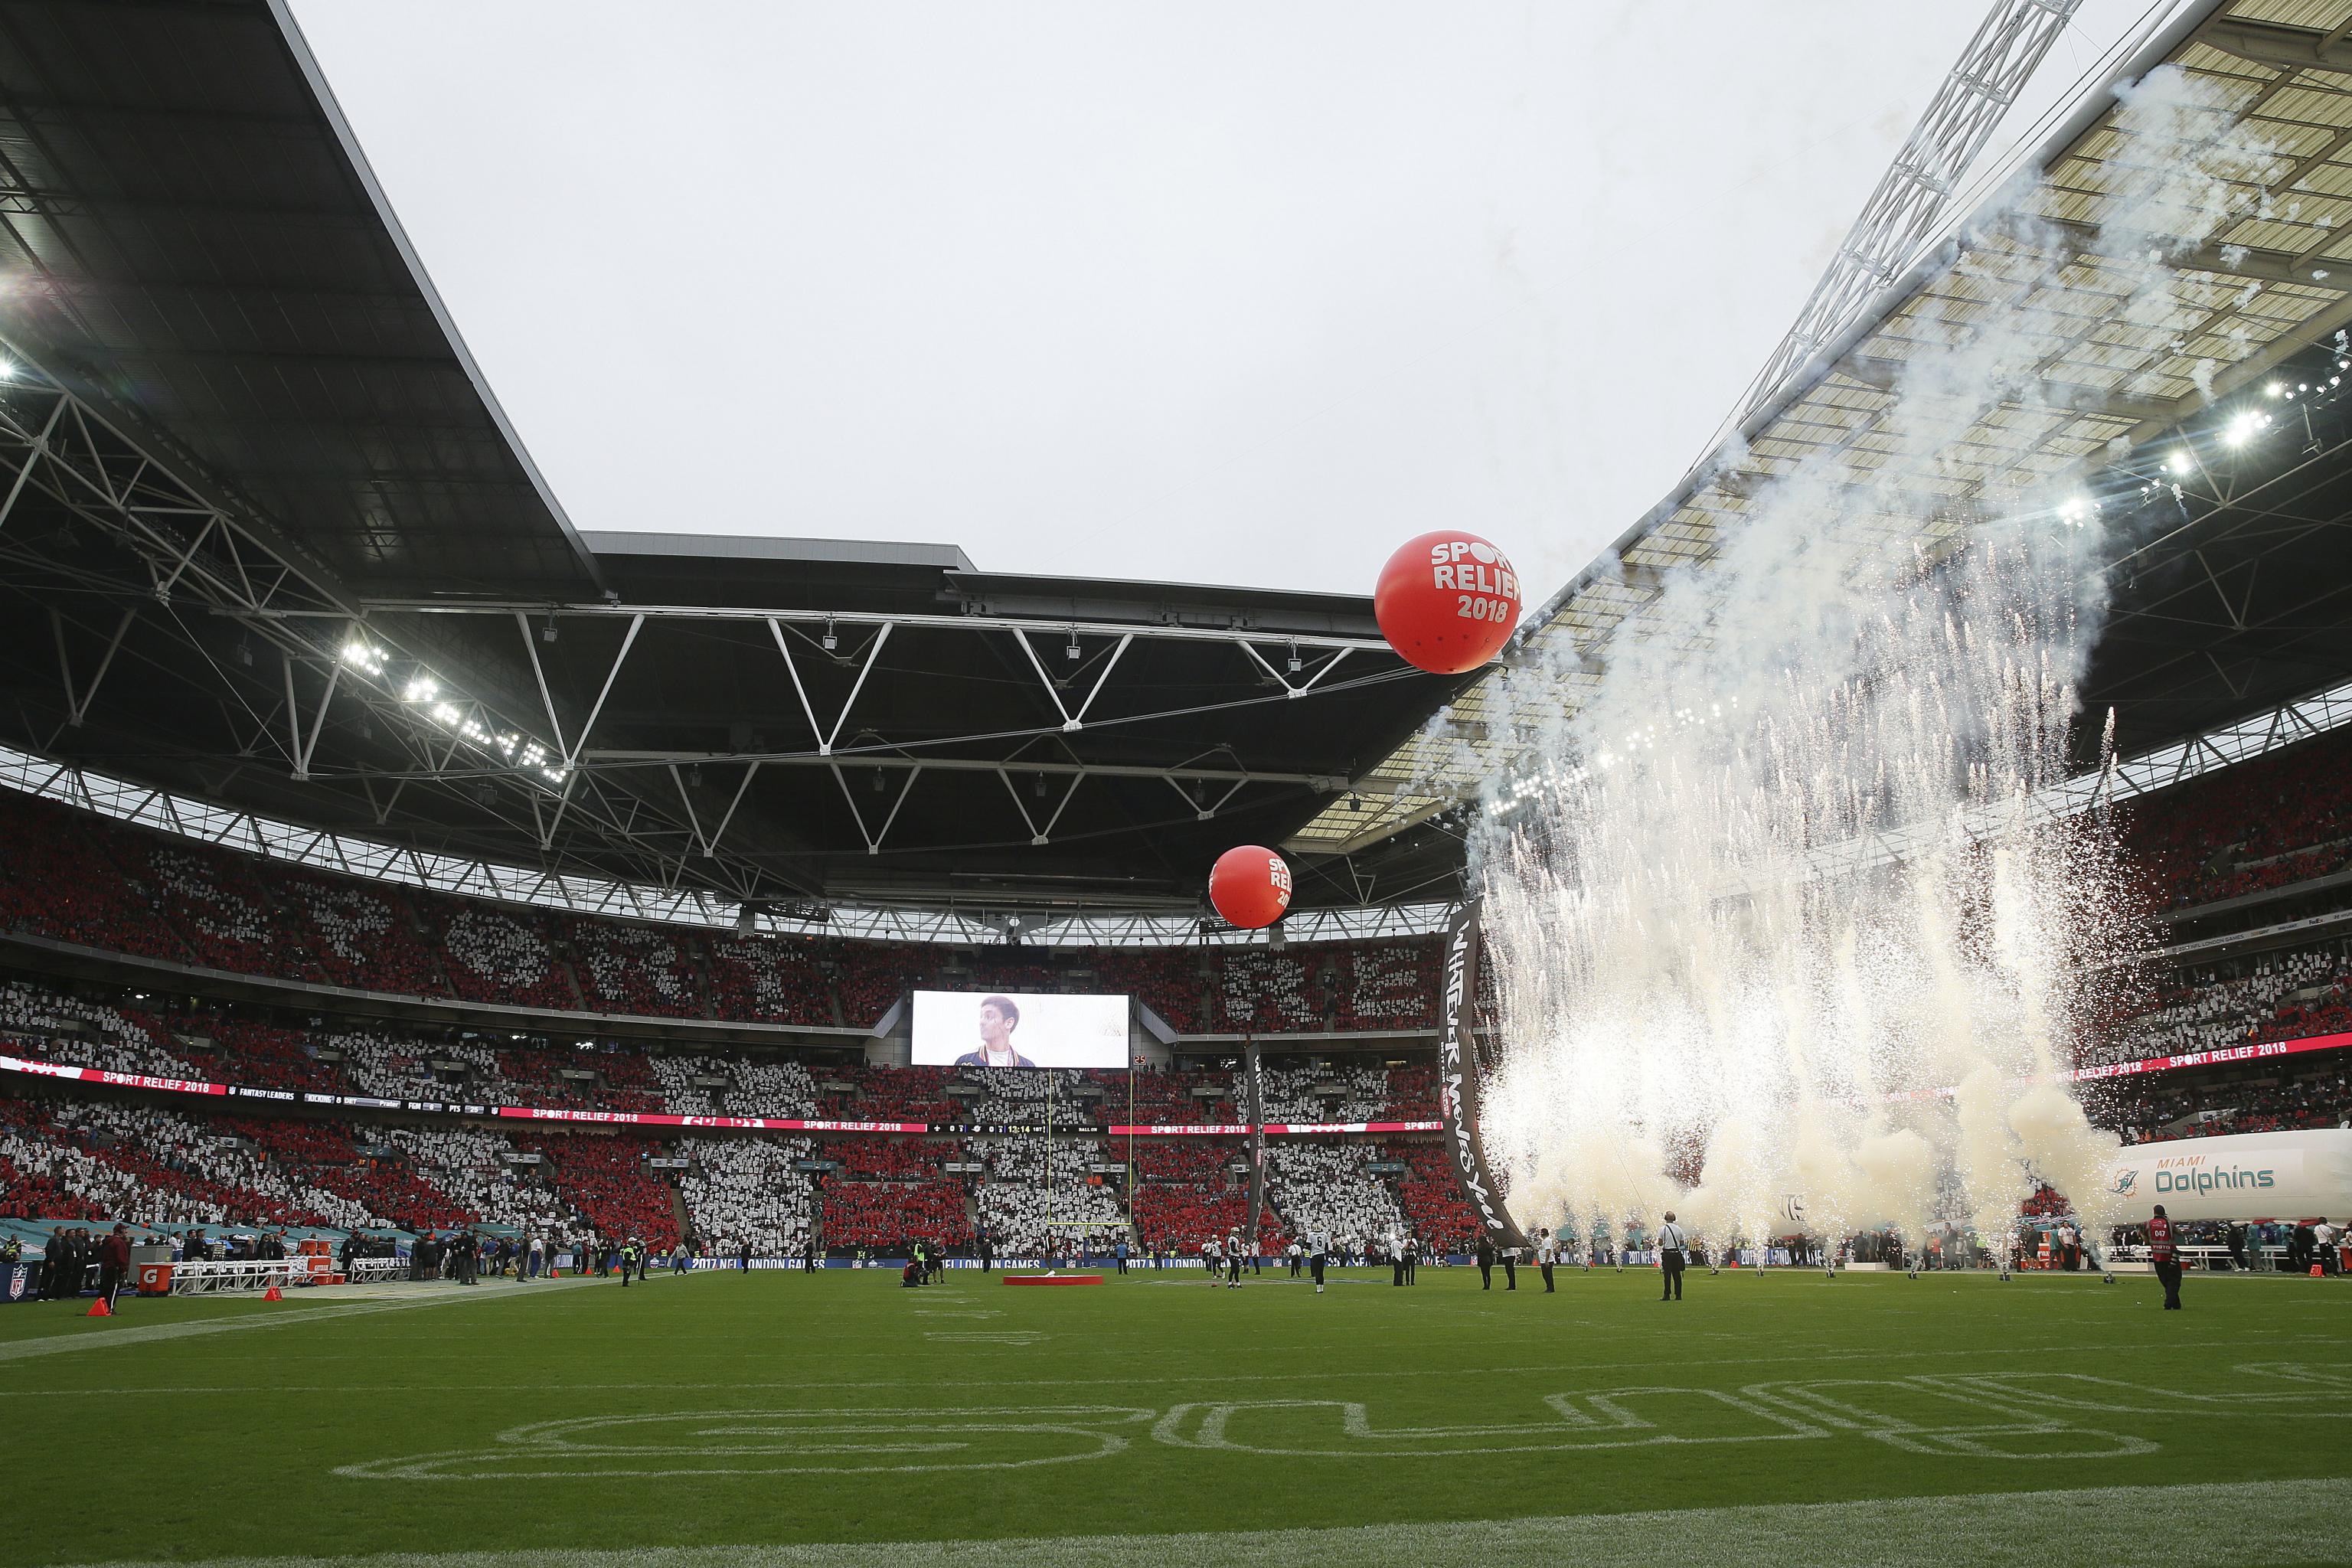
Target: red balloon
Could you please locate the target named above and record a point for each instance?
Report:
(1447, 602)
(1250, 886)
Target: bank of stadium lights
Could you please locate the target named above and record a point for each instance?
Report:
(363, 656)
(2244, 427)
(424, 692)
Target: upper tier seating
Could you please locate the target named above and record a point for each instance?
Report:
(2274, 995)
(91, 879)
(2277, 819)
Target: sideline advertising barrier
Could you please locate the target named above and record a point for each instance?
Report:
(659, 1119)
(11, 1063)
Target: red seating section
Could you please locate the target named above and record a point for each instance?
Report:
(90, 880)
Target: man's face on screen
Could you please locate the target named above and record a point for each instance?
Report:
(995, 1028)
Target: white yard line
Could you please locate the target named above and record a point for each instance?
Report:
(265, 1315)
(2235, 1526)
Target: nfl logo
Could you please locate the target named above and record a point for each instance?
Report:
(16, 1283)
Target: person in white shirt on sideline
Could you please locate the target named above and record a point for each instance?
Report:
(1547, 1254)
(1213, 1259)
(1318, 1245)
(1670, 1246)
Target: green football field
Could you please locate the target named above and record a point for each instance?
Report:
(1795, 1419)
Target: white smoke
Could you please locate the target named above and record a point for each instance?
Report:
(1690, 993)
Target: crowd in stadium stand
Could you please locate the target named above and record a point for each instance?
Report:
(884, 1215)
(769, 982)
(159, 1167)
(92, 881)
(64, 1159)
(2148, 1110)
(60, 1027)
(1325, 1186)
(603, 1179)
(2261, 824)
(471, 1169)
(490, 956)
(745, 1196)
(1174, 1219)
(232, 1042)
(1032, 1204)
(361, 937)
(1430, 1196)
(635, 969)
(867, 1159)
(2267, 997)
(1319, 1095)
(67, 1156)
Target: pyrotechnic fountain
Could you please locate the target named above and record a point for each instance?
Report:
(1780, 919)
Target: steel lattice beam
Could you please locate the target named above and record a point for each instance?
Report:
(197, 552)
(1916, 192)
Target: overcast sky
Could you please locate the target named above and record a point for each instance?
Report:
(1218, 293)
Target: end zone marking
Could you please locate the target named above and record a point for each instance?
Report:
(775, 1442)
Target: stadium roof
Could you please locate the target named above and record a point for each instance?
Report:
(2240, 603)
(265, 539)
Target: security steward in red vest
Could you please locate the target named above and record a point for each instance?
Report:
(2161, 1252)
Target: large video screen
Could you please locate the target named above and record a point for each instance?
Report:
(1019, 1029)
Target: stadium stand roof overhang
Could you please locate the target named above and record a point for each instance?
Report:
(267, 540)
(2230, 596)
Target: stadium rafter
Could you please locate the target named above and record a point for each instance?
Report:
(267, 540)
(195, 551)
(1918, 189)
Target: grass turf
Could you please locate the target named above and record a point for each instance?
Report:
(726, 1408)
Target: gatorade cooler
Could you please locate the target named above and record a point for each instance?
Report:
(150, 1268)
